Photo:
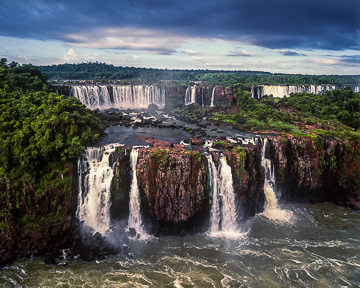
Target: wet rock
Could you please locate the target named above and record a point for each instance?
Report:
(153, 107)
(197, 141)
(120, 186)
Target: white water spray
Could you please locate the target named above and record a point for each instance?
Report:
(212, 97)
(223, 210)
(281, 91)
(94, 187)
(190, 95)
(272, 209)
(119, 96)
(135, 219)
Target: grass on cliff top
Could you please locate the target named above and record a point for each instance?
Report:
(335, 114)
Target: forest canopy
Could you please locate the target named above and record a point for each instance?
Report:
(105, 72)
(39, 128)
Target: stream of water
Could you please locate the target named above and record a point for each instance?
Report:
(319, 248)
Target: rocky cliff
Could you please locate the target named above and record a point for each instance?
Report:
(248, 179)
(317, 169)
(120, 185)
(175, 190)
(174, 184)
(37, 222)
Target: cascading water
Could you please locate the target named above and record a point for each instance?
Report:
(95, 175)
(119, 96)
(223, 210)
(202, 96)
(272, 210)
(135, 219)
(190, 95)
(212, 97)
(285, 91)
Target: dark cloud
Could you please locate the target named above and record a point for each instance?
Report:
(291, 53)
(280, 24)
(354, 59)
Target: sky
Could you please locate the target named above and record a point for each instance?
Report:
(284, 36)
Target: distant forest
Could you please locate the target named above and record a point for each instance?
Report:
(105, 72)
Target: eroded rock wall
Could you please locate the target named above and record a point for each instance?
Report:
(174, 185)
(316, 170)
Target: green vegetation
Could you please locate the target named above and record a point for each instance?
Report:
(41, 135)
(160, 155)
(241, 152)
(197, 157)
(221, 144)
(342, 105)
(335, 114)
(103, 72)
(192, 113)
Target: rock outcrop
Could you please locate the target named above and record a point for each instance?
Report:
(248, 179)
(37, 222)
(173, 181)
(120, 185)
(316, 170)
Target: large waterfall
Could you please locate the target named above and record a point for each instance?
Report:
(135, 218)
(119, 96)
(223, 216)
(190, 95)
(212, 97)
(95, 175)
(272, 209)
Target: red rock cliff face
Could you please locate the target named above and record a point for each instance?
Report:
(318, 170)
(174, 183)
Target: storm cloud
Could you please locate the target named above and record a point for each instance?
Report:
(277, 24)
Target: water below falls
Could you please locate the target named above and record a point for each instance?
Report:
(321, 248)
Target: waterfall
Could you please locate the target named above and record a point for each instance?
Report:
(95, 175)
(272, 209)
(281, 91)
(190, 95)
(215, 213)
(202, 96)
(119, 96)
(212, 97)
(223, 209)
(135, 219)
(253, 92)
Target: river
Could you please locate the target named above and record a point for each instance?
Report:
(319, 248)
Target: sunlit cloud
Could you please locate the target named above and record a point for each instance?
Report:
(326, 61)
(190, 52)
(151, 41)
